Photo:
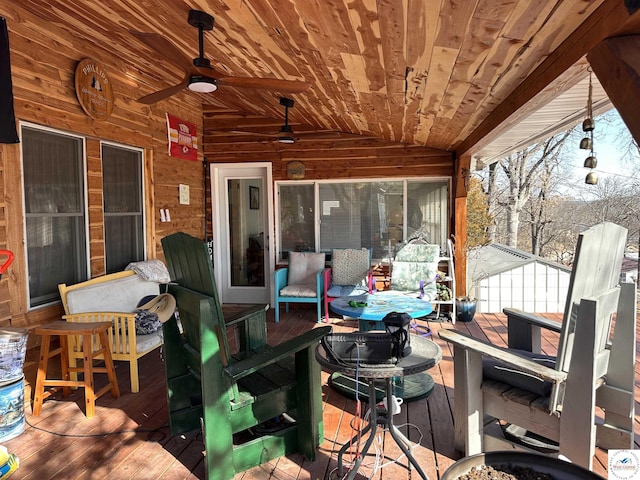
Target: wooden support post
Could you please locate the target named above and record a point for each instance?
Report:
(461, 187)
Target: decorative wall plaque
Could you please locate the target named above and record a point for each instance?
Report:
(93, 89)
(295, 170)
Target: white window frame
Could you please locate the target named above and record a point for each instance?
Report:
(142, 193)
(85, 205)
(316, 184)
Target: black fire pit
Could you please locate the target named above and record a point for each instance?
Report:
(559, 469)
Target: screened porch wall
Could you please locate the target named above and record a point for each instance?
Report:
(381, 216)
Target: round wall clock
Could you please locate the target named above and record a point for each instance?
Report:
(93, 89)
(295, 170)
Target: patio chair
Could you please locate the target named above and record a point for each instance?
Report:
(301, 282)
(556, 397)
(414, 270)
(350, 274)
(112, 298)
(255, 405)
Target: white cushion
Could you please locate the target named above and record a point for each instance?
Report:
(147, 342)
(349, 266)
(346, 290)
(118, 295)
(303, 267)
(144, 343)
(299, 290)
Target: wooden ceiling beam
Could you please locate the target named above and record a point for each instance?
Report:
(608, 19)
(616, 64)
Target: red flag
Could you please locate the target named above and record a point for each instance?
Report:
(183, 140)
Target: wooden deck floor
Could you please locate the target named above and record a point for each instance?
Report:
(129, 437)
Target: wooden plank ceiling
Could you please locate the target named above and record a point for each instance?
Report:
(446, 74)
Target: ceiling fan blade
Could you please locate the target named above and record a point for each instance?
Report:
(165, 48)
(298, 136)
(164, 93)
(318, 134)
(254, 134)
(272, 84)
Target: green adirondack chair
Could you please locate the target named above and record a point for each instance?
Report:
(234, 394)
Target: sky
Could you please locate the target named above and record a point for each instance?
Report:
(608, 150)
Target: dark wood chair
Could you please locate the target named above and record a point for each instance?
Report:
(234, 395)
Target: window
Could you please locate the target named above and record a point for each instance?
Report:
(322, 216)
(297, 218)
(123, 216)
(53, 168)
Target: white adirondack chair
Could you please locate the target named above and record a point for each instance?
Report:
(591, 368)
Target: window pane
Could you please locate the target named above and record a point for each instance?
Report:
(121, 180)
(361, 214)
(427, 212)
(246, 231)
(53, 244)
(123, 225)
(365, 214)
(296, 219)
(54, 210)
(52, 172)
(122, 241)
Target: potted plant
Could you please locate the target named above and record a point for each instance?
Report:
(465, 308)
(466, 304)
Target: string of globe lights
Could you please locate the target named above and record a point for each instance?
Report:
(586, 143)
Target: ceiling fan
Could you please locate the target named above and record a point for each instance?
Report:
(286, 134)
(199, 75)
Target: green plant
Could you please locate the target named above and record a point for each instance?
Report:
(443, 292)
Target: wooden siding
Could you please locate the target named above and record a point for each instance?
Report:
(334, 157)
(43, 60)
(330, 155)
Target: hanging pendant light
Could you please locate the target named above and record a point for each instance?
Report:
(286, 133)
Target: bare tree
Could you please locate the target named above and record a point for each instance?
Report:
(626, 144)
(492, 201)
(527, 171)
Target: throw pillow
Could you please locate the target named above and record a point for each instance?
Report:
(303, 267)
(418, 252)
(496, 370)
(349, 266)
(147, 322)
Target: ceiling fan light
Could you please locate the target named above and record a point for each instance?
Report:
(202, 84)
(286, 139)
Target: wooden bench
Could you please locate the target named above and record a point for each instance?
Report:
(225, 394)
(112, 298)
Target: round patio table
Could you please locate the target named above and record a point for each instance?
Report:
(378, 305)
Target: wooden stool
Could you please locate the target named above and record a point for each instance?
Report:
(86, 331)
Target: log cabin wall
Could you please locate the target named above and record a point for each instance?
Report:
(324, 156)
(43, 62)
